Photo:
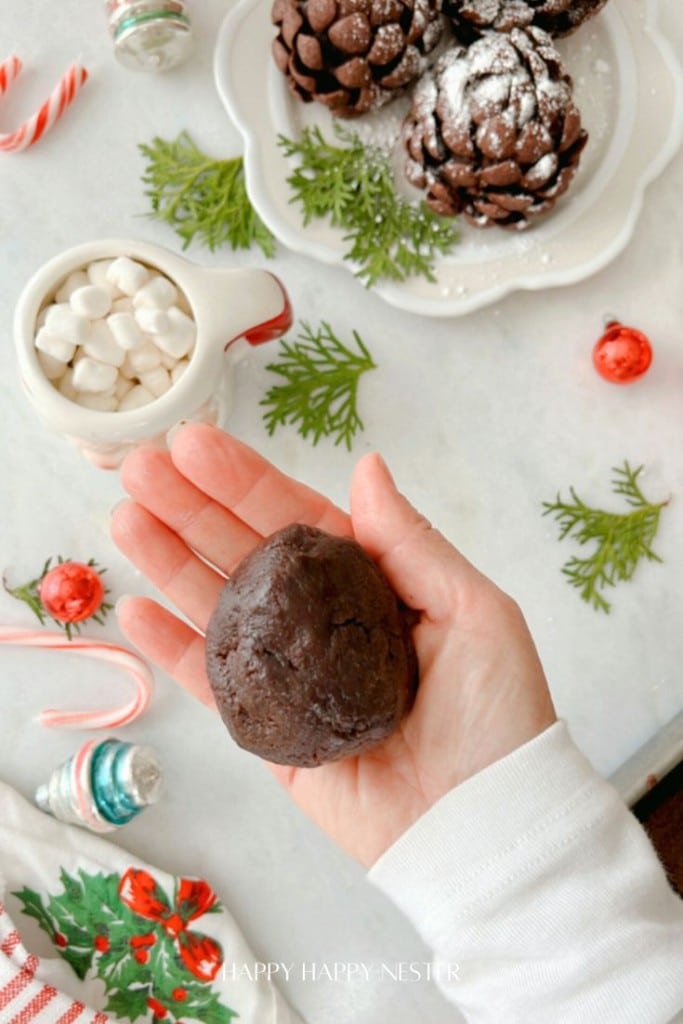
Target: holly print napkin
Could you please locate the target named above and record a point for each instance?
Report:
(88, 935)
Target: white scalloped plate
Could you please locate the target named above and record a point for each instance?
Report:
(629, 89)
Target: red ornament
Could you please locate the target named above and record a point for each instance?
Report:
(622, 354)
(61, 941)
(101, 943)
(71, 592)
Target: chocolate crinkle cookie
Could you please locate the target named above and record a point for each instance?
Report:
(493, 132)
(353, 55)
(470, 18)
(309, 653)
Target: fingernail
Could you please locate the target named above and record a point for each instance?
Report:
(173, 431)
(384, 467)
(119, 503)
(120, 602)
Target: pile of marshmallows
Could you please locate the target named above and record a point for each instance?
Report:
(116, 337)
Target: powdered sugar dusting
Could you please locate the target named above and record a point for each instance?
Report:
(493, 76)
(452, 82)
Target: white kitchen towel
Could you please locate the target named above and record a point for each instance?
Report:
(90, 935)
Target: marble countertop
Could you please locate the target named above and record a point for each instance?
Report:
(481, 419)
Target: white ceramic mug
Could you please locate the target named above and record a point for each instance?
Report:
(226, 304)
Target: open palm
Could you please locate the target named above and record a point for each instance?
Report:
(482, 691)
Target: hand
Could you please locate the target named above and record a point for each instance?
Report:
(482, 691)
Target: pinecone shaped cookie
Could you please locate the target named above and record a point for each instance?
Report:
(493, 131)
(353, 55)
(470, 18)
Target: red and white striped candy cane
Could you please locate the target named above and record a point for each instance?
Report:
(9, 70)
(49, 113)
(107, 718)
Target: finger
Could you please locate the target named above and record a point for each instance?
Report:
(423, 568)
(149, 476)
(241, 480)
(171, 644)
(167, 562)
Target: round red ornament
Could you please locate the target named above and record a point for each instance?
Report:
(71, 592)
(622, 354)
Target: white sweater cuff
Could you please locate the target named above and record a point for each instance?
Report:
(488, 821)
(537, 884)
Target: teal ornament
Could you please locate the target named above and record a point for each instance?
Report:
(103, 786)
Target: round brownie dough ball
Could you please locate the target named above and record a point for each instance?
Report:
(309, 653)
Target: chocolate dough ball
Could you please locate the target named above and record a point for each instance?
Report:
(309, 653)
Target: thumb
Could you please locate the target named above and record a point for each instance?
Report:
(424, 569)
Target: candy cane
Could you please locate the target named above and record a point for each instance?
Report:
(107, 718)
(49, 113)
(9, 70)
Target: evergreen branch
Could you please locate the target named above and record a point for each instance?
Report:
(389, 238)
(28, 592)
(621, 539)
(321, 377)
(202, 197)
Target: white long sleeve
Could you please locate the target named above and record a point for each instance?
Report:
(541, 896)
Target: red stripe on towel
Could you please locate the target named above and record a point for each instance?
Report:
(36, 1006)
(10, 943)
(71, 1015)
(19, 982)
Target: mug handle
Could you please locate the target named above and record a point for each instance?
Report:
(271, 330)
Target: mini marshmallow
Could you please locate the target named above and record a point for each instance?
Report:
(183, 304)
(92, 375)
(62, 321)
(101, 345)
(158, 381)
(66, 385)
(54, 345)
(125, 330)
(126, 370)
(77, 279)
(168, 362)
(54, 306)
(135, 399)
(91, 301)
(159, 293)
(179, 369)
(179, 340)
(152, 321)
(97, 274)
(100, 403)
(51, 367)
(123, 386)
(144, 358)
(128, 275)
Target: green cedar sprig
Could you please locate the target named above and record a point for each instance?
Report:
(389, 238)
(621, 539)
(201, 197)
(320, 387)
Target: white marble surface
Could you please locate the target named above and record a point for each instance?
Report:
(481, 418)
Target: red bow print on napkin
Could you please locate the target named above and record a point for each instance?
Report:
(201, 955)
